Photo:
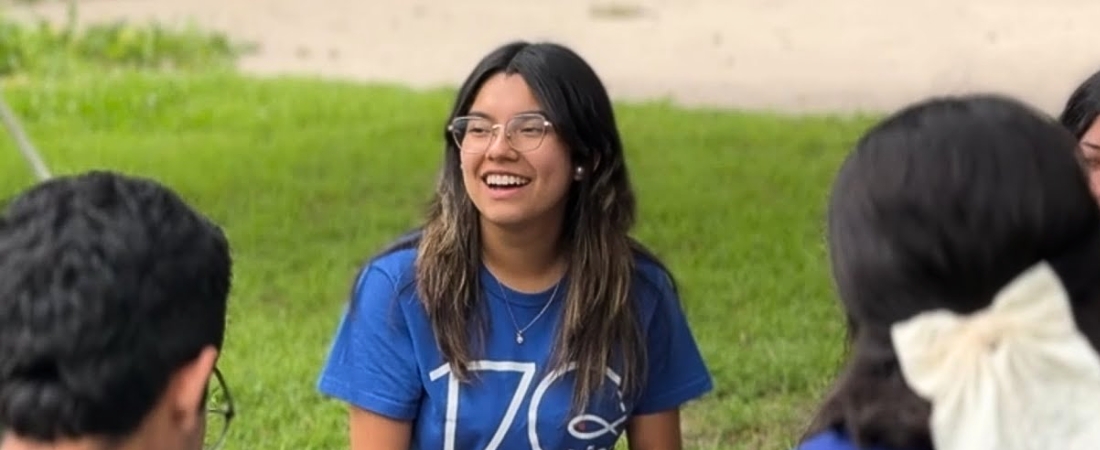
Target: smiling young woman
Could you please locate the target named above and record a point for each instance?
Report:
(522, 314)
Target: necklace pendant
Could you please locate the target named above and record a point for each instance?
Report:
(519, 338)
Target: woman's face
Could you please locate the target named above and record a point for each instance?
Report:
(516, 169)
(1090, 156)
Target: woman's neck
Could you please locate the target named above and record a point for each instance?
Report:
(527, 260)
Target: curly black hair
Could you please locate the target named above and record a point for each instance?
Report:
(108, 284)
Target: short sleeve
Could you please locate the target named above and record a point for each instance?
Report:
(676, 373)
(371, 363)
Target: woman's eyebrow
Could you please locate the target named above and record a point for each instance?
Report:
(482, 114)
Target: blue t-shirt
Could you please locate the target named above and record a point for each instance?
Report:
(385, 360)
(832, 440)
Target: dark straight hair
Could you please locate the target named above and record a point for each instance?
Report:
(1083, 106)
(939, 206)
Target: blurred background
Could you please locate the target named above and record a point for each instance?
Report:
(791, 55)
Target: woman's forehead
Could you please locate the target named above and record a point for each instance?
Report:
(503, 96)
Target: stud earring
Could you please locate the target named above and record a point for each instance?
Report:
(579, 173)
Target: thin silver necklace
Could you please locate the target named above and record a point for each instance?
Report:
(508, 305)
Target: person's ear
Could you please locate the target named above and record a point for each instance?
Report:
(187, 389)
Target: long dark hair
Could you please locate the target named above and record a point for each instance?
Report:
(939, 206)
(599, 321)
(1082, 107)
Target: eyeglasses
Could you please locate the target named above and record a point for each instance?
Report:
(474, 134)
(219, 412)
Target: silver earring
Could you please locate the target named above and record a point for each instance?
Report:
(579, 173)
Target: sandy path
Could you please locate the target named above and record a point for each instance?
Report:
(789, 55)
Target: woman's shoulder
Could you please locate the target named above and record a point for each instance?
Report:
(397, 264)
(654, 288)
(397, 261)
(395, 268)
(652, 279)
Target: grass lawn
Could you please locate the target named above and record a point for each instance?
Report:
(311, 177)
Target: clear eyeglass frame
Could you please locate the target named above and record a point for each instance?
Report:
(523, 132)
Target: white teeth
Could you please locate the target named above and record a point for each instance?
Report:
(505, 180)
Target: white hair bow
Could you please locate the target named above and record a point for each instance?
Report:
(1017, 375)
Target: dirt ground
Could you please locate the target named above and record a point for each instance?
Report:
(785, 55)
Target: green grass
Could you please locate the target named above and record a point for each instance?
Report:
(311, 177)
(50, 48)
